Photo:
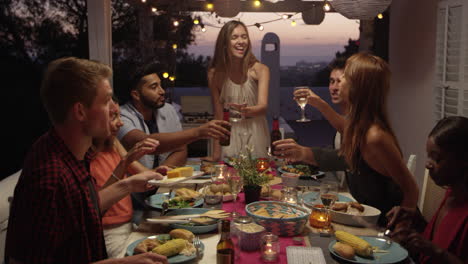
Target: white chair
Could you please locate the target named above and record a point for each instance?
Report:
(7, 187)
(431, 197)
(412, 163)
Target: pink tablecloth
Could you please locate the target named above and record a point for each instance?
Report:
(254, 257)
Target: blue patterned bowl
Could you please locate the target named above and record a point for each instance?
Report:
(280, 218)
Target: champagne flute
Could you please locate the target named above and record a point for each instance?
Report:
(302, 102)
(235, 182)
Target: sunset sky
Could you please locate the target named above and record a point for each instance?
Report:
(308, 42)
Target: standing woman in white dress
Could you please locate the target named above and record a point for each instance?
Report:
(235, 72)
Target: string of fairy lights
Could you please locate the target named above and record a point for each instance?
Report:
(209, 7)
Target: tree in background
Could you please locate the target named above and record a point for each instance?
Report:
(35, 32)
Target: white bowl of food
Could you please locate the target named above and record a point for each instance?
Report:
(354, 214)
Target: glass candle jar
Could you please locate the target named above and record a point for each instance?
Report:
(219, 175)
(263, 164)
(319, 217)
(289, 195)
(270, 248)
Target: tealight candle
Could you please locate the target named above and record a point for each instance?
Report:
(319, 218)
(270, 247)
(262, 164)
(289, 195)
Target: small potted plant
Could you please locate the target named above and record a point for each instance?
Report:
(252, 179)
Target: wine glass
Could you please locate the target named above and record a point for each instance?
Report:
(235, 182)
(328, 193)
(235, 105)
(302, 101)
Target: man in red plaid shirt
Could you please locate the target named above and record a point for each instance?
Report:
(56, 211)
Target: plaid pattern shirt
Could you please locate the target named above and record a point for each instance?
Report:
(55, 214)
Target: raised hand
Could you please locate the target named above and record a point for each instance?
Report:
(146, 146)
(289, 150)
(214, 129)
(312, 98)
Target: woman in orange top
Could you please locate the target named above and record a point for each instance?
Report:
(110, 164)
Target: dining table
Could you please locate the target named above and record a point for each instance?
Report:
(311, 238)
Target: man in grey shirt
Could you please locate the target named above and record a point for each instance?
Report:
(147, 115)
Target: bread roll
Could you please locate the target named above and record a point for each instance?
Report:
(216, 188)
(226, 188)
(344, 250)
(182, 233)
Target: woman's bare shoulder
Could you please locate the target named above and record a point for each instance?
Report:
(376, 136)
(258, 66)
(258, 69)
(210, 73)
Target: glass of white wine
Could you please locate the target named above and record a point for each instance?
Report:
(235, 182)
(302, 102)
(235, 105)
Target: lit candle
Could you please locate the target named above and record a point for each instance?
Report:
(262, 165)
(270, 247)
(269, 254)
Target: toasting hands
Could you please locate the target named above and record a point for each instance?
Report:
(289, 150)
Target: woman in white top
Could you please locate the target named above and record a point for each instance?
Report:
(235, 72)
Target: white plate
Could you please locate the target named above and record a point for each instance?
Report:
(226, 198)
(369, 217)
(169, 182)
(395, 253)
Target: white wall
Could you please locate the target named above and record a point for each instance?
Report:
(412, 61)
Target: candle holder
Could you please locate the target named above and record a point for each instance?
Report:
(219, 175)
(263, 164)
(319, 217)
(270, 248)
(289, 195)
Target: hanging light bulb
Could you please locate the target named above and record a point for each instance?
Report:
(175, 23)
(284, 16)
(174, 46)
(165, 75)
(257, 3)
(326, 6)
(380, 16)
(259, 26)
(209, 6)
(293, 23)
(203, 29)
(196, 21)
(154, 9)
(143, 1)
(172, 78)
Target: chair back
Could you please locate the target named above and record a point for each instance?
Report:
(431, 197)
(412, 163)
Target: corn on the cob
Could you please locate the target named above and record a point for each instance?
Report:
(171, 247)
(362, 247)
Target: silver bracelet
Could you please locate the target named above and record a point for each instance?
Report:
(115, 177)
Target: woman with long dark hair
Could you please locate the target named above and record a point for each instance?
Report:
(379, 176)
